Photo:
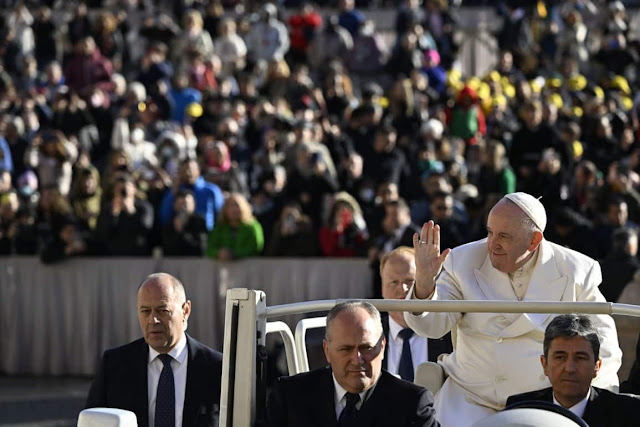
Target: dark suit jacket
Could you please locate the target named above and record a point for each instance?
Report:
(604, 408)
(632, 384)
(121, 382)
(435, 347)
(307, 400)
(405, 239)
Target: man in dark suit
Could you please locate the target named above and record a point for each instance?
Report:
(571, 360)
(355, 390)
(166, 378)
(398, 274)
(396, 230)
(632, 384)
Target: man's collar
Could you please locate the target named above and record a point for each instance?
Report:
(179, 352)
(340, 391)
(528, 266)
(579, 407)
(394, 328)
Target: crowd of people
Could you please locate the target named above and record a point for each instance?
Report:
(234, 129)
(214, 128)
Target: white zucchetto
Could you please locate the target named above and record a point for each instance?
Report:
(531, 206)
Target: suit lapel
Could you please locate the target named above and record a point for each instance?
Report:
(547, 395)
(373, 408)
(139, 380)
(547, 284)
(190, 409)
(544, 395)
(494, 284)
(594, 413)
(324, 408)
(385, 329)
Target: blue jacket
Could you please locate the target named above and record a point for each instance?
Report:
(181, 99)
(209, 200)
(6, 162)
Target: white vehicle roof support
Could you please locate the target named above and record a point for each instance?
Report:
(301, 345)
(293, 364)
(244, 330)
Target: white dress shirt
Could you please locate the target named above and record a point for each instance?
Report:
(341, 396)
(179, 367)
(579, 407)
(419, 348)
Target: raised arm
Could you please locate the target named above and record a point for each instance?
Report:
(429, 259)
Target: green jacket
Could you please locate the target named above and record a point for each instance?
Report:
(245, 241)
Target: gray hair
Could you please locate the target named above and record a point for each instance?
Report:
(352, 306)
(572, 325)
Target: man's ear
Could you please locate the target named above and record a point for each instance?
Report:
(597, 367)
(543, 361)
(186, 310)
(325, 347)
(536, 238)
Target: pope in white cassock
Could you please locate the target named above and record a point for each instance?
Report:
(498, 354)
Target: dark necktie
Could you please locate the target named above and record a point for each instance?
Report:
(349, 415)
(166, 395)
(405, 368)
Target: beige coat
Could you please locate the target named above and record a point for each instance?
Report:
(498, 354)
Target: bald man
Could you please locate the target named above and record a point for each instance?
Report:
(497, 354)
(354, 390)
(398, 274)
(167, 378)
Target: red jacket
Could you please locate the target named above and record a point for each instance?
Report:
(302, 28)
(83, 73)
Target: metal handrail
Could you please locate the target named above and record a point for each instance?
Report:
(465, 307)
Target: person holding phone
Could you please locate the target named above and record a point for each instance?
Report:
(186, 235)
(345, 234)
(125, 222)
(292, 234)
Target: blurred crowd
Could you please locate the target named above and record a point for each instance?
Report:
(232, 129)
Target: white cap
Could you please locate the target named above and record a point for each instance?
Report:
(531, 206)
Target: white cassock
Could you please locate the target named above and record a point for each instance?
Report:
(498, 354)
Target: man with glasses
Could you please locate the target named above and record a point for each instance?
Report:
(354, 390)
